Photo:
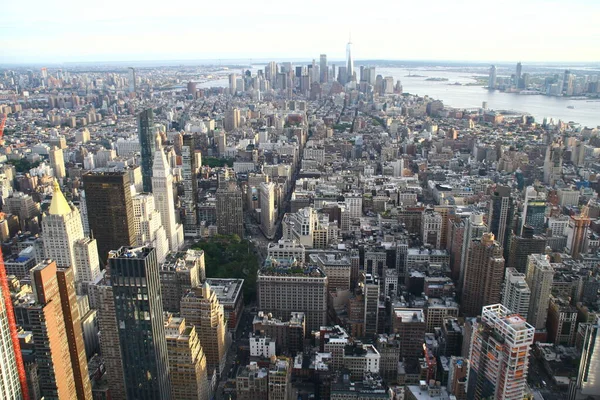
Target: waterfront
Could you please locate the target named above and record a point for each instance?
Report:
(585, 112)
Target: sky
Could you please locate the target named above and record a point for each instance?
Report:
(42, 31)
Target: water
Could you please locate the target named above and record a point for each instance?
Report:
(586, 113)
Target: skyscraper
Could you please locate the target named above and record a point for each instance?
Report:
(147, 138)
(349, 62)
(186, 360)
(138, 305)
(232, 84)
(474, 229)
(484, 270)
(162, 188)
(501, 215)
(553, 163)
(268, 213)
(577, 233)
(492, 78)
(148, 225)
(499, 358)
(132, 80)
(190, 185)
(524, 245)
(230, 215)
(588, 378)
(324, 69)
(10, 387)
(516, 294)
(57, 161)
(539, 279)
(110, 209)
(64, 240)
(201, 308)
(534, 210)
(56, 327)
(518, 75)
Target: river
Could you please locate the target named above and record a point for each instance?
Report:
(585, 112)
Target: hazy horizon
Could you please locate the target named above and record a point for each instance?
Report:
(114, 31)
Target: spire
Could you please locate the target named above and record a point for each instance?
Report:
(160, 168)
(58, 205)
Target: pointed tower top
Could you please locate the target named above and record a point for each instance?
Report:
(161, 167)
(58, 205)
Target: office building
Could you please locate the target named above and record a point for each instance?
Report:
(187, 362)
(64, 240)
(484, 270)
(323, 68)
(371, 292)
(230, 295)
(201, 308)
(57, 162)
(149, 231)
(534, 211)
(280, 379)
(288, 335)
(145, 359)
(539, 279)
(501, 215)
(57, 335)
(190, 185)
(553, 163)
(457, 377)
(285, 288)
(474, 228)
(431, 229)
(268, 212)
(492, 77)
(588, 377)
(164, 199)
(499, 357)
(522, 246)
(132, 80)
(180, 272)
(147, 138)
(562, 321)
(110, 209)
(518, 77)
(516, 293)
(337, 267)
(286, 249)
(10, 386)
(577, 233)
(232, 84)
(349, 62)
(230, 212)
(409, 326)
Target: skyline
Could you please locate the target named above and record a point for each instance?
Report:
(464, 30)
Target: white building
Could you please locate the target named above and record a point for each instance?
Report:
(516, 294)
(10, 387)
(61, 230)
(354, 203)
(268, 212)
(431, 228)
(148, 225)
(162, 188)
(286, 249)
(262, 347)
(86, 259)
(540, 275)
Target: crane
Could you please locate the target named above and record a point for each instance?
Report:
(10, 312)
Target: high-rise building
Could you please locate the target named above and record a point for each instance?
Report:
(232, 84)
(65, 242)
(179, 273)
(132, 80)
(539, 279)
(148, 225)
(492, 78)
(484, 270)
(474, 229)
(370, 291)
(501, 215)
(409, 326)
(136, 290)
(147, 138)
(230, 213)
(524, 245)
(283, 289)
(553, 163)
(516, 294)
(588, 378)
(518, 75)
(201, 308)
(534, 210)
(190, 185)
(110, 344)
(324, 69)
(57, 161)
(10, 386)
(268, 212)
(58, 340)
(110, 209)
(577, 233)
(162, 188)
(189, 380)
(349, 62)
(499, 358)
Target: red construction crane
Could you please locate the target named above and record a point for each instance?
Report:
(10, 312)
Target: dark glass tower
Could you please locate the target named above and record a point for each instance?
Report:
(147, 145)
(136, 289)
(501, 216)
(110, 209)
